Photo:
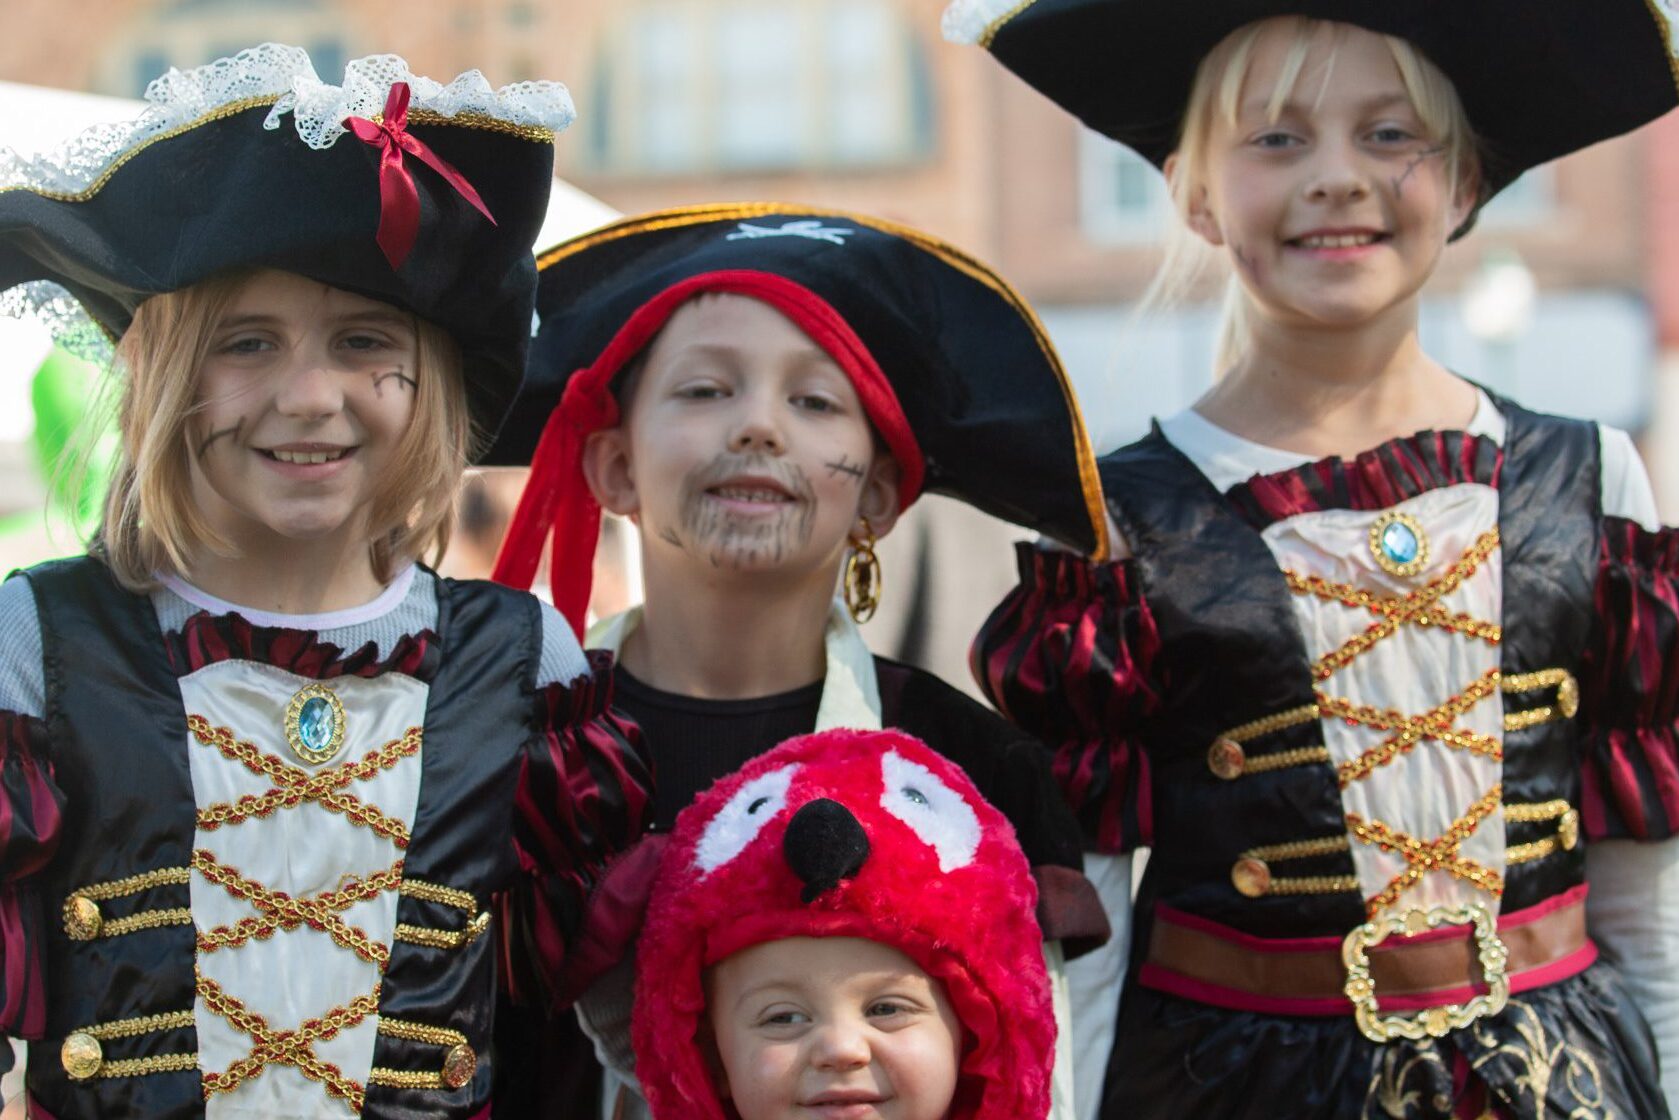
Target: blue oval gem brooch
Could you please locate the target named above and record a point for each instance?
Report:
(315, 724)
(1398, 543)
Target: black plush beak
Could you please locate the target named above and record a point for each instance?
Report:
(824, 844)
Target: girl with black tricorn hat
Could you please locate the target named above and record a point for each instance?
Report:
(263, 773)
(763, 388)
(1383, 656)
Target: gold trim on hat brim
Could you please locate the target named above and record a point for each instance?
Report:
(678, 217)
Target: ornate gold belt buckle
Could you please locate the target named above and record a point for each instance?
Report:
(1432, 1022)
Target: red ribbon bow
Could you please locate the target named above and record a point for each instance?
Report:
(399, 201)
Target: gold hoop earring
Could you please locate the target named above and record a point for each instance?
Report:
(862, 576)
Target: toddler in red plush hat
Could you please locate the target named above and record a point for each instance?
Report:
(842, 929)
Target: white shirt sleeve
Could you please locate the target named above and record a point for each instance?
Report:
(562, 658)
(1632, 913)
(1626, 484)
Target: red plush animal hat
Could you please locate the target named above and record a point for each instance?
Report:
(850, 834)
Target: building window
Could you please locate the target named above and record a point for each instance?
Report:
(1122, 197)
(687, 86)
(189, 33)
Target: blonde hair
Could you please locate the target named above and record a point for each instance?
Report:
(1216, 94)
(151, 523)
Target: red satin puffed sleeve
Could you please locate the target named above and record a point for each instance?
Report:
(1070, 656)
(1630, 687)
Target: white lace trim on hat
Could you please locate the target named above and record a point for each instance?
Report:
(181, 98)
(975, 21)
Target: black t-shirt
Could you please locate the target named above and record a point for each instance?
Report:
(694, 742)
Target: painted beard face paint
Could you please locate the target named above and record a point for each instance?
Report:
(748, 446)
(747, 511)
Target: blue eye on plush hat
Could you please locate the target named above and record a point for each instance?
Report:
(1538, 78)
(391, 185)
(950, 364)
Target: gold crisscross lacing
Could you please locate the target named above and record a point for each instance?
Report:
(286, 1047)
(1421, 608)
(325, 788)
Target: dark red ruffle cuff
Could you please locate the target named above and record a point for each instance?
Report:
(1072, 656)
(1630, 687)
(31, 823)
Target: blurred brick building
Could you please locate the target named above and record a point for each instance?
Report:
(860, 104)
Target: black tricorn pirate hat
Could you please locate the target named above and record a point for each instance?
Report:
(1538, 78)
(952, 366)
(424, 196)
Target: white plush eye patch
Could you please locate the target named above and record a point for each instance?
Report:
(939, 815)
(739, 822)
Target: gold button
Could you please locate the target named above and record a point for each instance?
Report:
(1226, 759)
(82, 919)
(1568, 697)
(459, 1064)
(476, 927)
(1251, 876)
(82, 1056)
(1568, 830)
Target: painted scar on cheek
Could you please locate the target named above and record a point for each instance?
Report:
(668, 535)
(402, 380)
(735, 539)
(214, 436)
(1244, 262)
(1416, 161)
(846, 467)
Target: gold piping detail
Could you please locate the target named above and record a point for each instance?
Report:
(443, 938)
(278, 911)
(1528, 813)
(1280, 760)
(1537, 849)
(420, 1032)
(997, 24)
(972, 267)
(144, 1024)
(446, 896)
(134, 884)
(231, 109)
(1316, 884)
(1409, 731)
(1299, 849)
(1666, 29)
(403, 1078)
(1382, 606)
(1267, 725)
(1567, 701)
(294, 1048)
(534, 133)
(145, 919)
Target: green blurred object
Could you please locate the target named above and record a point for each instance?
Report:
(61, 392)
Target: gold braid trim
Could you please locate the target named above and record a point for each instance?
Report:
(1317, 884)
(1538, 811)
(145, 919)
(142, 1067)
(1537, 849)
(420, 1032)
(292, 1048)
(532, 132)
(1435, 724)
(1282, 760)
(134, 884)
(297, 786)
(145, 1024)
(1299, 849)
(1422, 856)
(442, 938)
(1383, 606)
(446, 896)
(277, 910)
(1412, 608)
(403, 1078)
(1267, 725)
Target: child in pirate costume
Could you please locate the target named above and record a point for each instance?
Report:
(1384, 660)
(761, 387)
(263, 773)
(843, 928)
